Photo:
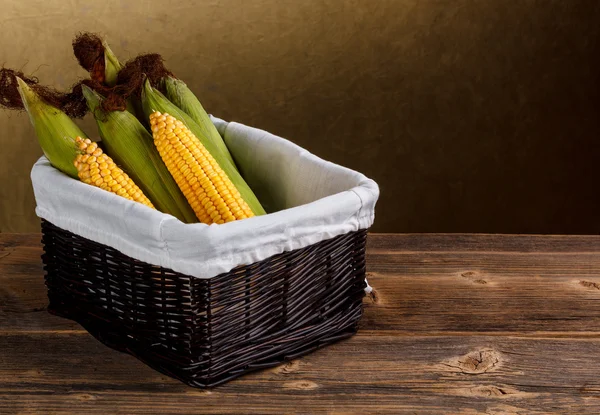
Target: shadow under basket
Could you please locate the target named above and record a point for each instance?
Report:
(207, 331)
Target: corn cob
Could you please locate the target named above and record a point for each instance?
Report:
(130, 145)
(97, 169)
(55, 131)
(153, 101)
(207, 188)
(179, 94)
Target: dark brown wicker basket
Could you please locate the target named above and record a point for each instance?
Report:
(207, 331)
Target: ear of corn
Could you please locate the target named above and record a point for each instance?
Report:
(97, 169)
(131, 146)
(179, 94)
(154, 101)
(207, 188)
(55, 131)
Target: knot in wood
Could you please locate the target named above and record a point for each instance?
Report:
(476, 362)
(301, 385)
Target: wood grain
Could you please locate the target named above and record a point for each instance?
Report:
(461, 324)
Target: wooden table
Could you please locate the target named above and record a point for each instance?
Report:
(461, 324)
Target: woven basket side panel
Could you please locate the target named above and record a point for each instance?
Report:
(260, 311)
(141, 303)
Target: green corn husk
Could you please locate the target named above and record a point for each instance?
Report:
(179, 94)
(112, 66)
(131, 146)
(56, 132)
(153, 100)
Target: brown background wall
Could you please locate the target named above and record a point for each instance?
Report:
(473, 116)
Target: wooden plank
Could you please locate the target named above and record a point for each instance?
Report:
(483, 242)
(434, 305)
(393, 375)
(20, 255)
(484, 292)
(518, 264)
(11, 240)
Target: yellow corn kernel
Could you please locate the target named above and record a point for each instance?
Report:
(97, 169)
(209, 191)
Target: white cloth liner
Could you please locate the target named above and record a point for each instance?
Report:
(312, 200)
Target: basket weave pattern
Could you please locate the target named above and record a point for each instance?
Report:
(207, 331)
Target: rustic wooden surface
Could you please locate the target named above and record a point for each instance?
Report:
(461, 324)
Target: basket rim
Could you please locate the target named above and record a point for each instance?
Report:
(198, 250)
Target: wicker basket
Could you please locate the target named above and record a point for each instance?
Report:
(207, 331)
